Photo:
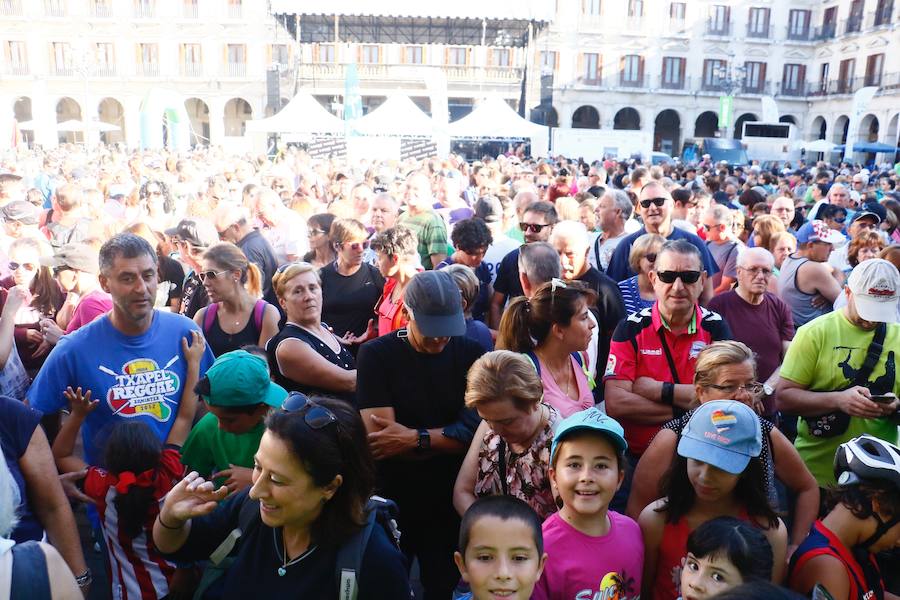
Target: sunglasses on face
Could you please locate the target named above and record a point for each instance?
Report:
(211, 275)
(687, 277)
(14, 266)
(655, 201)
(315, 232)
(839, 219)
(651, 257)
(532, 227)
(356, 246)
(314, 415)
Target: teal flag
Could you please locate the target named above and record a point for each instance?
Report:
(726, 111)
(352, 100)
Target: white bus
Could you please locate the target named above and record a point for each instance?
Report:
(767, 142)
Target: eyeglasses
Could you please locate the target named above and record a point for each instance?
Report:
(154, 193)
(356, 246)
(651, 257)
(839, 219)
(314, 232)
(211, 275)
(543, 186)
(754, 271)
(710, 227)
(688, 277)
(754, 388)
(532, 227)
(14, 266)
(315, 415)
(655, 201)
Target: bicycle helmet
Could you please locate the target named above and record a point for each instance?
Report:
(867, 459)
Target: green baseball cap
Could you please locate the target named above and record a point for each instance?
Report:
(239, 378)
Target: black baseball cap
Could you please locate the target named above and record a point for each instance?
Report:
(435, 304)
(196, 232)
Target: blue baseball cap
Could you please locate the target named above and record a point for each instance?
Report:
(723, 433)
(590, 419)
(818, 231)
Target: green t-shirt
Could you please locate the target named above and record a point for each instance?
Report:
(824, 356)
(208, 449)
(431, 232)
(517, 234)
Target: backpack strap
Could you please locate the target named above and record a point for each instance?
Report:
(534, 360)
(248, 515)
(29, 572)
(259, 309)
(209, 317)
(350, 557)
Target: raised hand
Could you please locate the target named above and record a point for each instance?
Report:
(193, 351)
(192, 497)
(80, 404)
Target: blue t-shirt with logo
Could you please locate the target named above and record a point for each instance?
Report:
(133, 377)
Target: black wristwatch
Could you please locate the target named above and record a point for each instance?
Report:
(424, 442)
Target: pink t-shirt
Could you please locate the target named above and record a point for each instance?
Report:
(581, 566)
(90, 307)
(557, 398)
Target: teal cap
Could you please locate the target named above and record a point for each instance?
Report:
(239, 378)
(591, 419)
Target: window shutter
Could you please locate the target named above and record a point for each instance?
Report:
(490, 57)
(580, 67)
(762, 76)
(640, 68)
(681, 67)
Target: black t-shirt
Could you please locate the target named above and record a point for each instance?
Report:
(194, 296)
(348, 301)
(170, 270)
(258, 251)
(426, 391)
(507, 282)
(254, 573)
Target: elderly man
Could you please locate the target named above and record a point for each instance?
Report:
(838, 195)
(805, 281)
(717, 221)
(233, 225)
(613, 210)
(650, 371)
(842, 365)
(656, 206)
(384, 212)
(758, 318)
(421, 218)
(783, 208)
(283, 228)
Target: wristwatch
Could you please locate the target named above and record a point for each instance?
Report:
(424, 442)
(768, 390)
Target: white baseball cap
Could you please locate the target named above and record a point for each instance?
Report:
(874, 284)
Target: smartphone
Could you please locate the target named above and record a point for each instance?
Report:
(883, 398)
(820, 592)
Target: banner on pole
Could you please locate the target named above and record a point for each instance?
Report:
(726, 111)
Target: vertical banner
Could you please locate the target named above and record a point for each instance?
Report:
(352, 100)
(436, 84)
(769, 109)
(861, 100)
(726, 111)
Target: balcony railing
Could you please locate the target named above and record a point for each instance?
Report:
(714, 86)
(104, 71)
(236, 69)
(800, 89)
(17, 70)
(718, 28)
(880, 17)
(11, 8)
(634, 24)
(101, 10)
(825, 31)
(54, 8)
(633, 82)
(759, 87)
(682, 84)
(796, 34)
(411, 72)
(148, 70)
(853, 24)
(144, 10)
(235, 11)
(192, 69)
(190, 10)
(675, 27)
(62, 70)
(757, 33)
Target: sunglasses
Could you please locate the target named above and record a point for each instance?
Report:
(651, 257)
(532, 227)
(14, 266)
(655, 201)
(839, 219)
(314, 415)
(313, 232)
(211, 275)
(356, 246)
(687, 277)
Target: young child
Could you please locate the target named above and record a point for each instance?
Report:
(140, 471)
(501, 549)
(593, 552)
(239, 395)
(722, 554)
(716, 473)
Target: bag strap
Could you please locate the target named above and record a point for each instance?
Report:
(248, 515)
(501, 449)
(873, 354)
(669, 359)
(209, 317)
(350, 558)
(259, 309)
(30, 580)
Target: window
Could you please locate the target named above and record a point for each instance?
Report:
(413, 55)
(17, 58)
(636, 8)
(61, 57)
(845, 76)
(101, 8)
(148, 59)
(755, 77)
(55, 8)
(324, 53)
(500, 57)
(883, 12)
(105, 59)
(457, 57)
(854, 21)
(631, 70)
(548, 61)
(758, 23)
(823, 76)
(798, 24)
(235, 9)
(591, 71)
(190, 9)
(144, 9)
(874, 67)
(369, 54)
(591, 7)
(719, 19)
(829, 22)
(713, 68)
(677, 11)
(792, 78)
(673, 72)
(191, 60)
(280, 55)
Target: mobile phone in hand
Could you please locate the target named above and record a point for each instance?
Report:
(883, 398)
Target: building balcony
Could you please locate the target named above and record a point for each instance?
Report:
(101, 11)
(409, 73)
(54, 8)
(634, 25)
(759, 87)
(62, 70)
(675, 27)
(642, 82)
(148, 70)
(674, 85)
(825, 31)
(880, 18)
(798, 90)
(852, 24)
(235, 11)
(235, 69)
(190, 11)
(757, 34)
(802, 35)
(11, 8)
(17, 70)
(192, 70)
(716, 28)
(719, 87)
(104, 71)
(144, 11)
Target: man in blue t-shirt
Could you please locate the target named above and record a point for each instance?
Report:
(655, 207)
(130, 359)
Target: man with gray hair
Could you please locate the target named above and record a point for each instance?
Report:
(613, 210)
(538, 264)
(759, 319)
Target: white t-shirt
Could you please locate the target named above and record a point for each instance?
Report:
(501, 246)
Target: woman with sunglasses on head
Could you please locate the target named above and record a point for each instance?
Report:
(306, 356)
(637, 291)
(312, 479)
(350, 287)
(553, 328)
(321, 252)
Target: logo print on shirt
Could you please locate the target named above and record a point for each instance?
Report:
(612, 587)
(143, 389)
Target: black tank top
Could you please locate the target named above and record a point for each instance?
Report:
(221, 342)
(344, 359)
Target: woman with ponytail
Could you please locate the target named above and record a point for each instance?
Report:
(553, 328)
(236, 316)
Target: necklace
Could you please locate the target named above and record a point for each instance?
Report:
(282, 570)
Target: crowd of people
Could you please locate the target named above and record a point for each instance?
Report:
(508, 378)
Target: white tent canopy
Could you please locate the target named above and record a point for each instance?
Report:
(494, 118)
(303, 114)
(75, 125)
(397, 117)
(818, 146)
(537, 10)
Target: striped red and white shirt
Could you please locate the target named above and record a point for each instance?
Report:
(137, 571)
